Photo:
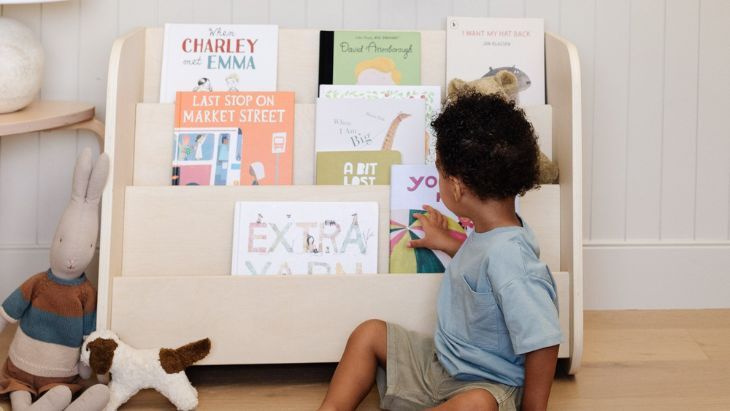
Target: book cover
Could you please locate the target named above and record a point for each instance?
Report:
(370, 57)
(265, 121)
(305, 238)
(355, 168)
(478, 47)
(218, 57)
(410, 188)
(431, 96)
(206, 156)
(369, 125)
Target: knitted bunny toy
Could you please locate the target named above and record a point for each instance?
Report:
(57, 308)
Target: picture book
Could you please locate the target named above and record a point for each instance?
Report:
(368, 125)
(305, 238)
(355, 168)
(370, 57)
(431, 96)
(410, 188)
(264, 124)
(206, 156)
(479, 47)
(218, 57)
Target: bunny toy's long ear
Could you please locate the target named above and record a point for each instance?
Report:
(97, 181)
(81, 176)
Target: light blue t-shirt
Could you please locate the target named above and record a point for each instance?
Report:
(497, 302)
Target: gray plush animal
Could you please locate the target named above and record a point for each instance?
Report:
(523, 80)
(56, 309)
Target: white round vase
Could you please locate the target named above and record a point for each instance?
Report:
(21, 65)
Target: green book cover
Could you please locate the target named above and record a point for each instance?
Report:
(376, 58)
(355, 167)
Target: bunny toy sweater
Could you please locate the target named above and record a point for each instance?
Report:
(54, 315)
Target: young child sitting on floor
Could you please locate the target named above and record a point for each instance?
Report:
(497, 334)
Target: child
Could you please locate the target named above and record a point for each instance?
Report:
(497, 334)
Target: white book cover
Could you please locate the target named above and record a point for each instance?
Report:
(370, 125)
(218, 57)
(478, 47)
(412, 187)
(431, 96)
(271, 238)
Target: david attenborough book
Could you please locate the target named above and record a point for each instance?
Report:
(286, 238)
(370, 57)
(478, 47)
(218, 57)
(258, 137)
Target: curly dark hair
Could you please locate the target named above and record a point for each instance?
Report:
(486, 142)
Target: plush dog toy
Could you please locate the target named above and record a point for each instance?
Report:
(133, 370)
(56, 308)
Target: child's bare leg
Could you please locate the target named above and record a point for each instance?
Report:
(355, 374)
(472, 400)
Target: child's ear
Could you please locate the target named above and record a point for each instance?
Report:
(457, 188)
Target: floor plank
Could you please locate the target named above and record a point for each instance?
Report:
(634, 360)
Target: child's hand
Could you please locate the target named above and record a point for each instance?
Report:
(436, 233)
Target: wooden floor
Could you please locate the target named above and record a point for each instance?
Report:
(633, 360)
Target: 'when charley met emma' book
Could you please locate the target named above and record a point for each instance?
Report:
(218, 57)
(410, 188)
(370, 57)
(479, 47)
(233, 138)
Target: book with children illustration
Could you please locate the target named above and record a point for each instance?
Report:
(410, 188)
(355, 168)
(369, 125)
(431, 96)
(370, 57)
(218, 57)
(233, 138)
(283, 238)
(479, 47)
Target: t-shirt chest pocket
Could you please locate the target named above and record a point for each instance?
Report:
(481, 313)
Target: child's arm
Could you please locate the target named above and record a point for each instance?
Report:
(435, 228)
(539, 374)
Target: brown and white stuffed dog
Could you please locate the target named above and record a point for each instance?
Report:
(133, 370)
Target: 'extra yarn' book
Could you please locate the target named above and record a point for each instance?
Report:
(370, 57)
(410, 188)
(233, 138)
(218, 57)
(478, 47)
(285, 238)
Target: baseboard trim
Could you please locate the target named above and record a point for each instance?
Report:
(655, 243)
(664, 275)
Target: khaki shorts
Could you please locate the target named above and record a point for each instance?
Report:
(415, 379)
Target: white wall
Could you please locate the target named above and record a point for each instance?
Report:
(656, 149)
